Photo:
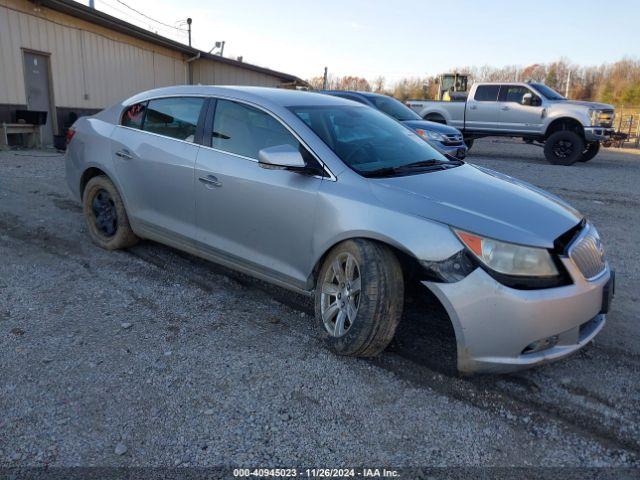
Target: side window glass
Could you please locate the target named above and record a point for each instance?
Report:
(175, 117)
(245, 130)
(512, 93)
(486, 93)
(133, 115)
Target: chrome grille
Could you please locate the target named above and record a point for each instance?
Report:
(453, 139)
(587, 253)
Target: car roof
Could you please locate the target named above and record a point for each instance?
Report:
(277, 96)
(355, 92)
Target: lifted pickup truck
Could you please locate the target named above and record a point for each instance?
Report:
(570, 130)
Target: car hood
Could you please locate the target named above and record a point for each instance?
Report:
(481, 201)
(432, 126)
(594, 105)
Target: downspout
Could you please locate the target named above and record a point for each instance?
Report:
(190, 69)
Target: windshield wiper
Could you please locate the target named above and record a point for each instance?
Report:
(430, 163)
(417, 167)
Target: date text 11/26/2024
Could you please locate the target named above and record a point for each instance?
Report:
(316, 472)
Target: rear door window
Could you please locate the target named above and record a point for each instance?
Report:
(134, 115)
(486, 93)
(175, 117)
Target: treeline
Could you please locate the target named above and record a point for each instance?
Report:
(616, 83)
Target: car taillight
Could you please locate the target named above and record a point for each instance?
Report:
(70, 133)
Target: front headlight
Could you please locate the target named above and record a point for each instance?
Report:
(429, 135)
(601, 117)
(509, 258)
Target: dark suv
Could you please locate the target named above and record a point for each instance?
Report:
(447, 140)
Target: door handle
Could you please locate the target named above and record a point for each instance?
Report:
(210, 181)
(505, 108)
(473, 107)
(124, 154)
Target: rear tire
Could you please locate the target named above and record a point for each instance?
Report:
(563, 147)
(590, 152)
(105, 215)
(366, 279)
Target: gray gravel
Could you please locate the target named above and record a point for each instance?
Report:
(151, 357)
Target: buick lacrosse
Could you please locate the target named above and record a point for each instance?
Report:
(336, 200)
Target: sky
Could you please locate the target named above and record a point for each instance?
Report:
(369, 38)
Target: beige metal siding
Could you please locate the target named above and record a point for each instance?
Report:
(91, 67)
(210, 72)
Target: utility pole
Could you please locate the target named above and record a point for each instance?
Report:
(222, 49)
(189, 26)
(568, 87)
(324, 79)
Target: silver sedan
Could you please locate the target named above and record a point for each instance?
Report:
(336, 200)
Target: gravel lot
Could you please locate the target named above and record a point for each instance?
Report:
(151, 357)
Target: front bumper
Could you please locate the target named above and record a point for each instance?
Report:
(494, 324)
(598, 134)
(458, 151)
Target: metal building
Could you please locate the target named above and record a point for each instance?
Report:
(67, 59)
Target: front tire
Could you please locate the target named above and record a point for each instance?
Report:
(564, 147)
(590, 152)
(359, 298)
(106, 218)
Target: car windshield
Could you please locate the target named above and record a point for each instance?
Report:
(370, 142)
(393, 107)
(547, 92)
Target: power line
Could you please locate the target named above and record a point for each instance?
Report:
(150, 18)
(140, 21)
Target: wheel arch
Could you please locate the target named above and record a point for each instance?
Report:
(436, 117)
(408, 262)
(88, 174)
(564, 123)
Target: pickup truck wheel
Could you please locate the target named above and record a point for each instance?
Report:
(105, 215)
(590, 152)
(359, 298)
(564, 147)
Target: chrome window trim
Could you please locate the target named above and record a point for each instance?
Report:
(158, 135)
(326, 169)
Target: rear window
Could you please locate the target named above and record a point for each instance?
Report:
(133, 115)
(487, 93)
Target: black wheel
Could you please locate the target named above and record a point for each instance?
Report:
(468, 142)
(590, 152)
(359, 298)
(105, 215)
(563, 147)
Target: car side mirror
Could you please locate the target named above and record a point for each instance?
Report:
(527, 99)
(281, 156)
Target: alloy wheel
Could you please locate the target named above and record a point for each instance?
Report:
(340, 295)
(563, 148)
